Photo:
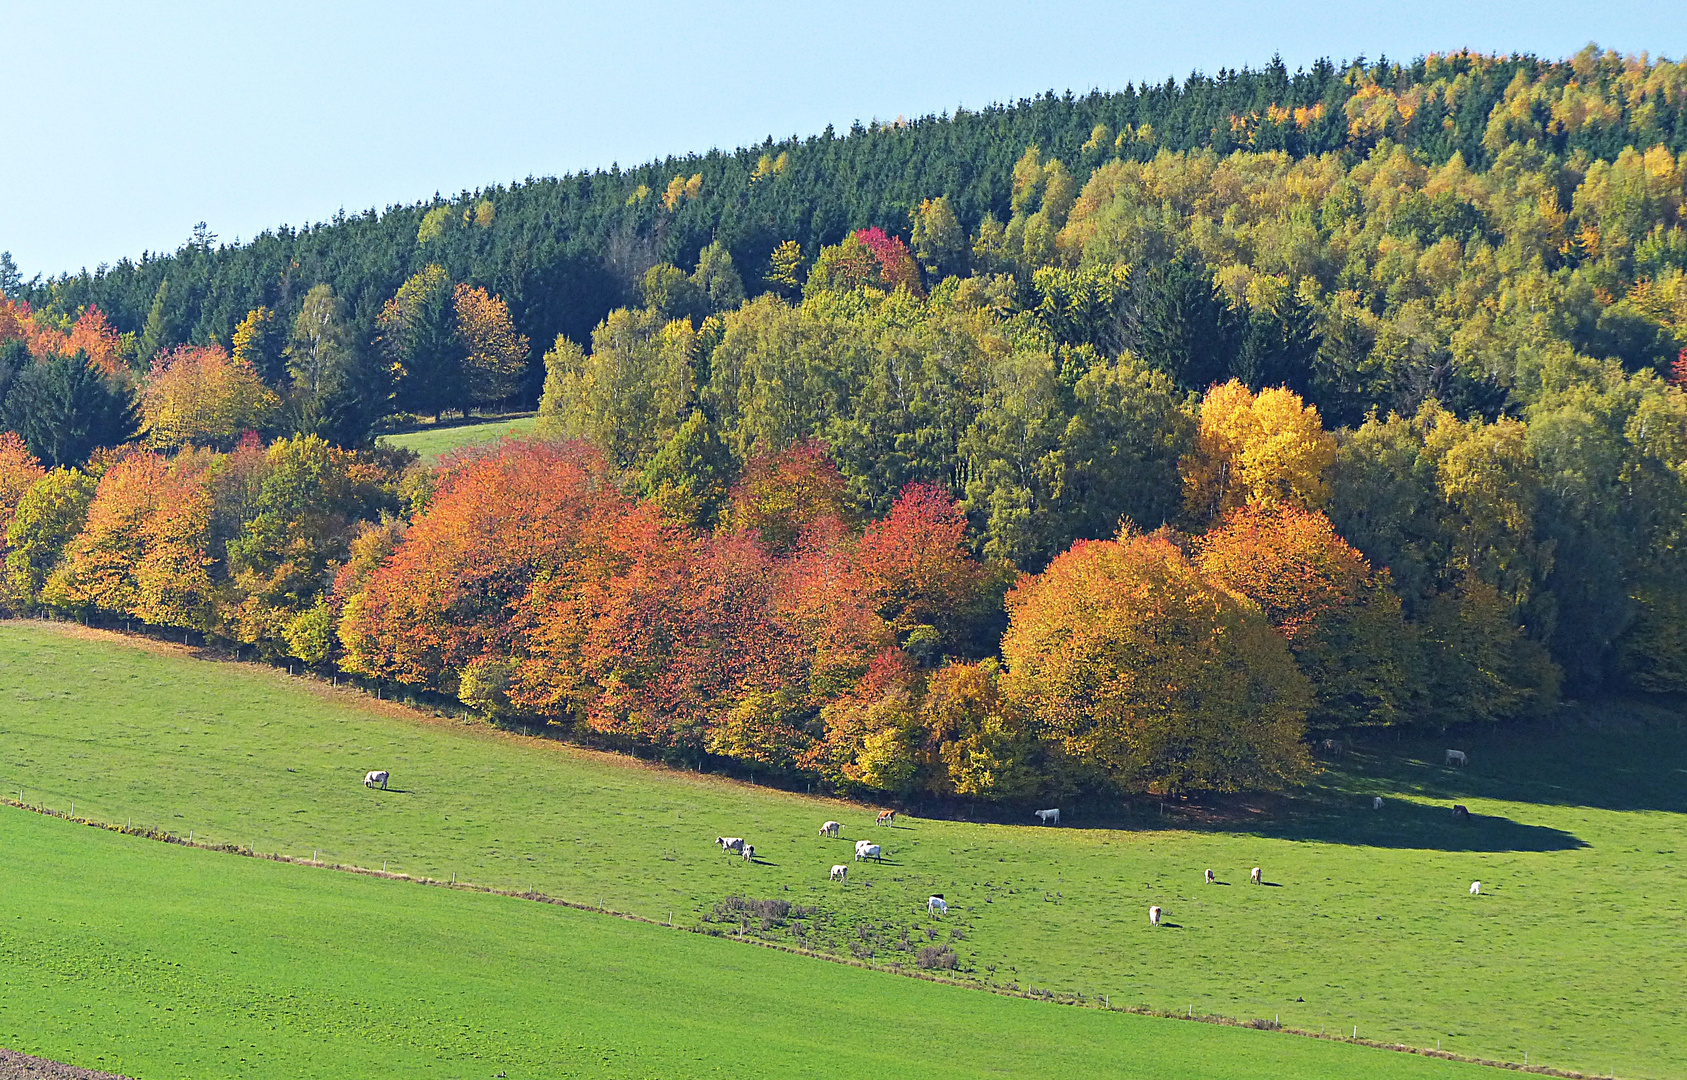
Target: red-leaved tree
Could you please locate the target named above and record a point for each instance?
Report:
(918, 574)
(896, 265)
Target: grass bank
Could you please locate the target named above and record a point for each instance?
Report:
(431, 442)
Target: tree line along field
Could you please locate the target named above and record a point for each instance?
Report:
(254, 969)
(1366, 921)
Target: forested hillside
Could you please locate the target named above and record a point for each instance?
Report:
(1103, 444)
(563, 252)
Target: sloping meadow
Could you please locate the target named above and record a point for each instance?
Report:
(1364, 918)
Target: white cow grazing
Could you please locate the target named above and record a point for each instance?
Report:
(840, 872)
(1476, 888)
(831, 829)
(1376, 802)
(1049, 817)
(936, 905)
(731, 843)
(1253, 876)
(1210, 878)
(1154, 915)
(749, 853)
(376, 778)
(864, 850)
(1457, 757)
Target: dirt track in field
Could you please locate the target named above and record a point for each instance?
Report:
(15, 1066)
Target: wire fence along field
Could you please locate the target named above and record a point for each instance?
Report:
(1363, 918)
(151, 959)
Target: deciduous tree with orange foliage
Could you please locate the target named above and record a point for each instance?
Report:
(454, 586)
(144, 549)
(173, 579)
(1341, 619)
(917, 572)
(98, 571)
(659, 639)
(18, 470)
(1153, 676)
(91, 333)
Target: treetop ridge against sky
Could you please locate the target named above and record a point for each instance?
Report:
(143, 121)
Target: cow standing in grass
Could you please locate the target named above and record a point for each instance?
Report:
(731, 843)
(378, 777)
(831, 828)
(1154, 915)
(840, 872)
(865, 850)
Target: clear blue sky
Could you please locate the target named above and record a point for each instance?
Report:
(126, 123)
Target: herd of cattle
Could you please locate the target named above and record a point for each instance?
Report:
(936, 904)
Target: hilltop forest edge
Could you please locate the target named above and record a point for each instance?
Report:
(1088, 446)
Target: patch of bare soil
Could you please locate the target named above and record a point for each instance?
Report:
(15, 1066)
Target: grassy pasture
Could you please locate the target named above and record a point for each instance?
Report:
(431, 442)
(1571, 955)
(161, 961)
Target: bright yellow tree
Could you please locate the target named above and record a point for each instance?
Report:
(1261, 450)
(199, 395)
(494, 355)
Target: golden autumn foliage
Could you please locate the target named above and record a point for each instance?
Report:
(680, 190)
(48, 515)
(1260, 450)
(143, 550)
(1153, 676)
(199, 395)
(259, 341)
(781, 494)
(977, 744)
(495, 356)
(1341, 619)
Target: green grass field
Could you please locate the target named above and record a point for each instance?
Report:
(431, 442)
(1572, 955)
(162, 961)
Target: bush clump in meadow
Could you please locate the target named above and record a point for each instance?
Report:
(938, 957)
